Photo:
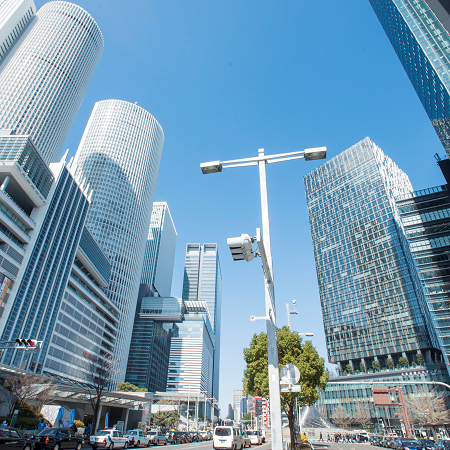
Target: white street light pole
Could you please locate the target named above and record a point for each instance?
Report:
(264, 247)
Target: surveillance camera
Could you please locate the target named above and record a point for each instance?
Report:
(294, 301)
(252, 318)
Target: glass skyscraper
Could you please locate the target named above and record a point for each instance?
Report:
(44, 77)
(40, 285)
(376, 320)
(199, 334)
(157, 270)
(372, 302)
(419, 32)
(119, 155)
(425, 217)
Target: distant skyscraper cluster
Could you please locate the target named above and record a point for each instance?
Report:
(86, 255)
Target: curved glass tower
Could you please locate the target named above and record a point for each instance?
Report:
(44, 79)
(119, 155)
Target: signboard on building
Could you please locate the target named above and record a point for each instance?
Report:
(4, 287)
(381, 396)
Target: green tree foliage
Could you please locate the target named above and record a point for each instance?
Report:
(403, 362)
(362, 367)
(122, 386)
(348, 368)
(166, 418)
(375, 365)
(247, 417)
(419, 359)
(291, 350)
(389, 363)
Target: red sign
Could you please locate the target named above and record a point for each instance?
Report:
(381, 396)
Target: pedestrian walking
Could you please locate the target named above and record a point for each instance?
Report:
(41, 425)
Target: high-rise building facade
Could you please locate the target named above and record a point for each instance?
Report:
(15, 15)
(154, 325)
(46, 73)
(425, 217)
(157, 270)
(419, 32)
(43, 274)
(191, 362)
(203, 283)
(372, 303)
(237, 397)
(86, 322)
(51, 269)
(376, 320)
(119, 155)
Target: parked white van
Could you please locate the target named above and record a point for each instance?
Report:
(228, 438)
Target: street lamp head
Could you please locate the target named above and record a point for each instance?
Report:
(309, 334)
(211, 167)
(311, 154)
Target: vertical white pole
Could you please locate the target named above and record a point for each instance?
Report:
(288, 316)
(187, 412)
(272, 349)
(196, 412)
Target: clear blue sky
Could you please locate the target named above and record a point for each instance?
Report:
(226, 78)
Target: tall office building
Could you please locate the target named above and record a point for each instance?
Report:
(425, 216)
(119, 155)
(419, 33)
(148, 360)
(191, 362)
(203, 283)
(52, 234)
(372, 307)
(15, 15)
(157, 270)
(237, 397)
(375, 315)
(44, 77)
(154, 325)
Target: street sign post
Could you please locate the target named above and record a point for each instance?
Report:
(289, 375)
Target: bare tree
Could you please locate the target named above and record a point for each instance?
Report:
(102, 374)
(427, 406)
(44, 394)
(361, 414)
(28, 389)
(341, 417)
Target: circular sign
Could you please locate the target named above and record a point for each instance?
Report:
(289, 374)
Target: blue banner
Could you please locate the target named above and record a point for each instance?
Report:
(106, 420)
(60, 416)
(72, 417)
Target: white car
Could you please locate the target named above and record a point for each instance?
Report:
(228, 438)
(108, 439)
(136, 438)
(255, 437)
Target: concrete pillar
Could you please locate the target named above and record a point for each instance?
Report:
(363, 360)
(352, 363)
(5, 183)
(125, 425)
